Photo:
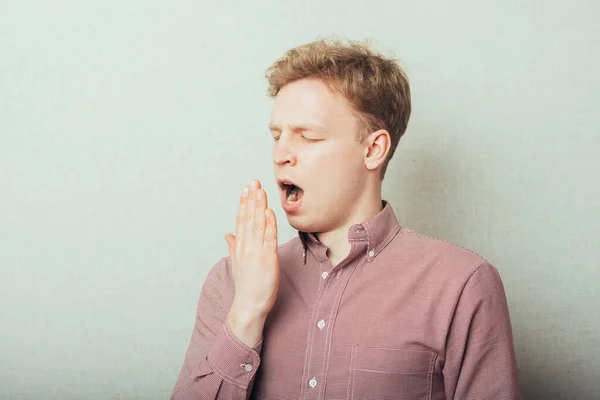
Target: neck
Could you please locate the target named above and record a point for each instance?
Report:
(336, 240)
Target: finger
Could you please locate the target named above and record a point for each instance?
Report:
(230, 239)
(256, 184)
(241, 217)
(259, 216)
(231, 247)
(271, 230)
(249, 217)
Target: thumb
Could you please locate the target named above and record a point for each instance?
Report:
(231, 245)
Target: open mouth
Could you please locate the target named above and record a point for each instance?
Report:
(292, 193)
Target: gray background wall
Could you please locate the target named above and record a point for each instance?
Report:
(127, 129)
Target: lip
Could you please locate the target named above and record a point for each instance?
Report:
(284, 181)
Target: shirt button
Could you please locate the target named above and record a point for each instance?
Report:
(312, 382)
(321, 324)
(324, 275)
(371, 253)
(248, 367)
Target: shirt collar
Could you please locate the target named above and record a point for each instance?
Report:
(377, 231)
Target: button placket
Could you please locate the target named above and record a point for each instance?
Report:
(319, 335)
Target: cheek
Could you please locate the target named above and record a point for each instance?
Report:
(333, 165)
(324, 161)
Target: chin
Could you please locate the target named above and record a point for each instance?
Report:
(300, 223)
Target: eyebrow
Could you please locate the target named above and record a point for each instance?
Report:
(298, 128)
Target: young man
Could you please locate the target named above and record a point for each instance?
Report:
(357, 306)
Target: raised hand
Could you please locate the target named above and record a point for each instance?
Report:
(253, 252)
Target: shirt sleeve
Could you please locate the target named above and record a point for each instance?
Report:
(217, 365)
(480, 357)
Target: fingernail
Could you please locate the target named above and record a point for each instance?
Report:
(245, 191)
(255, 183)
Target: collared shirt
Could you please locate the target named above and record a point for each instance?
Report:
(403, 316)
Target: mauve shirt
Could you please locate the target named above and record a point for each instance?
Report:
(403, 316)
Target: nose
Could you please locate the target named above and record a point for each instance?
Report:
(283, 152)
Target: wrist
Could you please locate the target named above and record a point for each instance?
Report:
(246, 326)
(244, 312)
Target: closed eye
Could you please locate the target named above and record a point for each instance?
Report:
(312, 140)
(276, 138)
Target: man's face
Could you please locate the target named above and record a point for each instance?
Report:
(315, 148)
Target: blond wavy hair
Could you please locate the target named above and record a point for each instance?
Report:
(375, 86)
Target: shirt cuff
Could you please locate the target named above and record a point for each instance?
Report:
(233, 360)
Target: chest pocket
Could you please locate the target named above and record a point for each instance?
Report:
(381, 373)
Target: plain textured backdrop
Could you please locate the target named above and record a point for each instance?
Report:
(128, 128)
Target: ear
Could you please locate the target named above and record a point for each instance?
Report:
(377, 146)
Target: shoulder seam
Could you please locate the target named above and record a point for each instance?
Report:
(447, 242)
(462, 290)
